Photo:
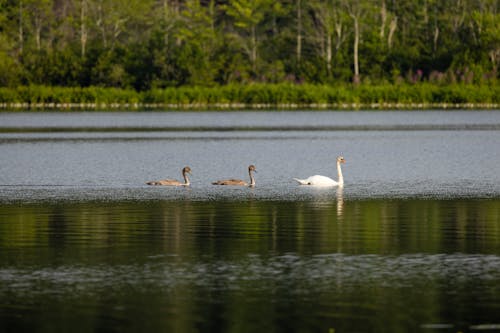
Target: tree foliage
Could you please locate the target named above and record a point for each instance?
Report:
(148, 44)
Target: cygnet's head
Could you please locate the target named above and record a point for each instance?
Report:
(252, 168)
(186, 170)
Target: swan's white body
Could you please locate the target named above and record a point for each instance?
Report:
(318, 180)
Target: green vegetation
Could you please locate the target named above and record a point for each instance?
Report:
(187, 52)
(255, 96)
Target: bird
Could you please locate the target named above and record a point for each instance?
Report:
(173, 182)
(318, 180)
(239, 182)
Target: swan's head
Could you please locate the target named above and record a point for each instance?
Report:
(252, 168)
(186, 170)
(340, 159)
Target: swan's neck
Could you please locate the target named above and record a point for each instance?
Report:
(339, 171)
(252, 180)
(186, 179)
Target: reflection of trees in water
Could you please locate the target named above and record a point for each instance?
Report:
(244, 259)
(201, 227)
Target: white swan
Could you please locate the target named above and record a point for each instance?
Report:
(173, 182)
(318, 180)
(239, 182)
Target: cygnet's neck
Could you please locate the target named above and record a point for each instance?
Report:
(339, 171)
(252, 180)
(186, 179)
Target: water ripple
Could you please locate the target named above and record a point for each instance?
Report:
(305, 273)
(283, 192)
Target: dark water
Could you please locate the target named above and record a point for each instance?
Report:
(410, 244)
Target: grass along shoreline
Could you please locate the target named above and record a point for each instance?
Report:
(255, 96)
(234, 106)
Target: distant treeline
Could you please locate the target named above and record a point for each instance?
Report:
(149, 45)
(231, 96)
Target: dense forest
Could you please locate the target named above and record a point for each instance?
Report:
(155, 44)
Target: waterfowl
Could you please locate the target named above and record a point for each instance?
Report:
(318, 180)
(239, 182)
(173, 182)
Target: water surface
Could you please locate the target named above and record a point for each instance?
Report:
(113, 155)
(411, 243)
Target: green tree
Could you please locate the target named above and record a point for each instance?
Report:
(487, 27)
(198, 35)
(330, 30)
(162, 43)
(10, 68)
(39, 18)
(357, 10)
(247, 16)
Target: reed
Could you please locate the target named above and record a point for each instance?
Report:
(292, 96)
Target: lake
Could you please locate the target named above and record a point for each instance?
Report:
(410, 243)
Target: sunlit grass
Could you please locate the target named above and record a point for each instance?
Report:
(285, 96)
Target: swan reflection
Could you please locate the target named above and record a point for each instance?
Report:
(340, 201)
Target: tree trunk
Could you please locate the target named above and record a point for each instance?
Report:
(38, 30)
(101, 25)
(494, 58)
(83, 28)
(392, 29)
(436, 37)
(38, 38)
(299, 31)
(338, 31)
(383, 16)
(356, 79)
(329, 53)
(21, 31)
(253, 55)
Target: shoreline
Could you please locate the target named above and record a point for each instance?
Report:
(254, 97)
(165, 107)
